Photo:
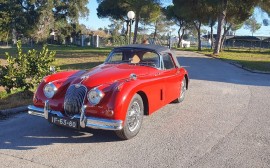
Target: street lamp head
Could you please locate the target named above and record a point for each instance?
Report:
(131, 15)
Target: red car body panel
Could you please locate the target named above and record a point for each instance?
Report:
(151, 82)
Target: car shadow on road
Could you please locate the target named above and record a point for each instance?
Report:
(210, 69)
(44, 133)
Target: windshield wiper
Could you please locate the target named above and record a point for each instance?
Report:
(118, 62)
(150, 64)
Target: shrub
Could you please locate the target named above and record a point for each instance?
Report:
(25, 70)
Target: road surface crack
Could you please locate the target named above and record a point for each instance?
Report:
(25, 159)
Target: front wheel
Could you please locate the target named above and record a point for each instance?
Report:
(182, 91)
(134, 118)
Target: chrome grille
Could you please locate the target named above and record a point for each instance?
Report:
(74, 99)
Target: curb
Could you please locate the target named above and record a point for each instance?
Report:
(247, 69)
(238, 65)
(13, 110)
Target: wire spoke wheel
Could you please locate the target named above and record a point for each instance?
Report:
(134, 115)
(134, 118)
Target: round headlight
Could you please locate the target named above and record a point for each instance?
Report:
(94, 96)
(49, 90)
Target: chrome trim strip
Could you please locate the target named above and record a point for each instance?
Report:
(35, 113)
(83, 119)
(46, 109)
(90, 122)
(105, 124)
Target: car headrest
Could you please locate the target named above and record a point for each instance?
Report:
(135, 59)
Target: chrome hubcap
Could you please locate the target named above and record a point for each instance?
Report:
(133, 119)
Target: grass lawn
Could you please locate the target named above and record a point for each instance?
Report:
(67, 57)
(251, 59)
(79, 57)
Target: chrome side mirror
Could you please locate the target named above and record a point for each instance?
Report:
(52, 69)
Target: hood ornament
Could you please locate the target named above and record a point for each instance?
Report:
(133, 76)
(84, 77)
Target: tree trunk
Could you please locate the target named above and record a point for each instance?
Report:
(219, 34)
(155, 33)
(179, 38)
(198, 28)
(221, 20)
(7, 37)
(212, 37)
(8, 90)
(222, 43)
(182, 35)
(224, 37)
(199, 40)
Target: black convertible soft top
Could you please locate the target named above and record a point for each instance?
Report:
(156, 48)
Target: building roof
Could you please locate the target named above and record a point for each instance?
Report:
(241, 38)
(267, 39)
(246, 38)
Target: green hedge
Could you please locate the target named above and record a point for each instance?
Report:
(25, 70)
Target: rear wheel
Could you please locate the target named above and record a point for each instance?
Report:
(182, 91)
(134, 118)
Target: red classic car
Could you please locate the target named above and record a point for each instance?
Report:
(135, 80)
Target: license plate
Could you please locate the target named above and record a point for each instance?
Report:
(64, 122)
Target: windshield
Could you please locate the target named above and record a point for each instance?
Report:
(140, 57)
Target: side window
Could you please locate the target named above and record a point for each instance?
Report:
(151, 58)
(167, 61)
(116, 57)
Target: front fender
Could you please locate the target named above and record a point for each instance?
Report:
(122, 96)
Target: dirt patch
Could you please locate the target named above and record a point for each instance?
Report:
(16, 100)
(3, 61)
(2, 89)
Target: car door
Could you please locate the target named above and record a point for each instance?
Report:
(171, 75)
(155, 82)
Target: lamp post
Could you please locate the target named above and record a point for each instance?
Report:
(130, 16)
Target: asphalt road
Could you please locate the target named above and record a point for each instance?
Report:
(223, 122)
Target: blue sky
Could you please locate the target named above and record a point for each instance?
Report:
(93, 22)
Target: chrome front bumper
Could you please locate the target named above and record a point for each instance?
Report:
(90, 122)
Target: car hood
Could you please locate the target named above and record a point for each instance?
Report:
(108, 73)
